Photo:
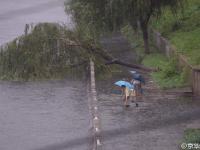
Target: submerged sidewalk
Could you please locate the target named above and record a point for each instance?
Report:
(159, 121)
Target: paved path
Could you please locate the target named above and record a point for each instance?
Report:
(159, 121)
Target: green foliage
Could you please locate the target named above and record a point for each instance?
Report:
(49, 51)
(86, 17)
(185, 75)
(112, 14)
(192, 136)
(188, 43)
(168, 76)
(134, 37)
(169, 69)
(98, 17)
(183, 31)
(155, 60)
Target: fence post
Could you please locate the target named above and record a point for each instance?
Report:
(196, 82)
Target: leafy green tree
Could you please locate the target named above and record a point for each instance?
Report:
(99, 16)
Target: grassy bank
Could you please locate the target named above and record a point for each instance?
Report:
(168, 76)
(191, 136)
(183, 30)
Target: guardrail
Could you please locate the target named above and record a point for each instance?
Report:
(94, 111)
(169, 50)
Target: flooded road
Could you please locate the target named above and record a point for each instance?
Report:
(14, 14)
(44, 115)
(54, 115)
(157, 124)
(47, 115)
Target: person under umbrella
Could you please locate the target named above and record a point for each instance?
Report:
(138, 77)
(127, 89)
(137, 80)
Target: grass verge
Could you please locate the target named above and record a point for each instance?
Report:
(168, 76)
(191, 136)
(183, 30)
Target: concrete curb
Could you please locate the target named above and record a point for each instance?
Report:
(94, 111)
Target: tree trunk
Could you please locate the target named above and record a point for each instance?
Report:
(144, 28)
(111, 60)
(139, 68)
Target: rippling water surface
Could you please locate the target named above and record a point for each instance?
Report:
(43, 116)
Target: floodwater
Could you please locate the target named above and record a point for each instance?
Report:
(48, 115)
(14, 14)
(157, 124)
(54, 115)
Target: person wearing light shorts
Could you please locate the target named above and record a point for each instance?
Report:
(127, 94)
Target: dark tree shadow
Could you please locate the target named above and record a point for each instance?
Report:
(112, 134)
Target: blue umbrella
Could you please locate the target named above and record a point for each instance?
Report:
(124, 83)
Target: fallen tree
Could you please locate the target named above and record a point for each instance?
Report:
(53, 51)
(109, 59)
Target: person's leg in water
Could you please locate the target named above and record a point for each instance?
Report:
(134, 97)
(127, 96)
(139, 92)
(123, 93)
(126, 101)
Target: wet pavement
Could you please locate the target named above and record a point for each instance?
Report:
(159, 121)
(48, 115)
(14, 14)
